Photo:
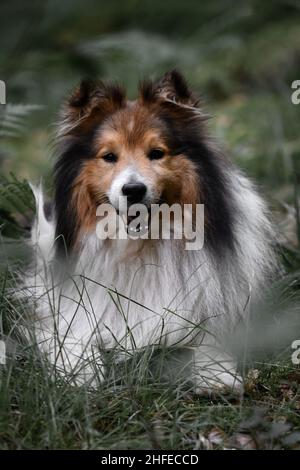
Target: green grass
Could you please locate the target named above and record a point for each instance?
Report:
(143, 413)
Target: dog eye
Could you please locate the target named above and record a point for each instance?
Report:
(156, 154)
(110, 157)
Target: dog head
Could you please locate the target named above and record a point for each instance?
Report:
(147, 150)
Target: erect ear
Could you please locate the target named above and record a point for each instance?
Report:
(171, 87)
(91, 101)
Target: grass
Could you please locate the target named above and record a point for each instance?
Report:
(138, 406)
(143, 413)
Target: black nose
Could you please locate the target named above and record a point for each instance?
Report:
(134, 191)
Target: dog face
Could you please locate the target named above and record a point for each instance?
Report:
(151, 150)
(134, 158)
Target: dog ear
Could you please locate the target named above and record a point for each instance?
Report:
(90, 102)
(171, 87)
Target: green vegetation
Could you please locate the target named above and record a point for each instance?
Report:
(242, 57)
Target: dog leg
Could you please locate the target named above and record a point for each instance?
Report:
(77, 363)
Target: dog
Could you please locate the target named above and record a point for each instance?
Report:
(93, 295)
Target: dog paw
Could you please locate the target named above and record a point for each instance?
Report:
(225, 383)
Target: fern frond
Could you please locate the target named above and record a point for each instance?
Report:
(16, 206)
(12, 119)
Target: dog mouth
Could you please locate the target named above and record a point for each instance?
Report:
(138, 224)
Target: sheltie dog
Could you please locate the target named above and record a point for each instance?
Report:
(93, 295)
